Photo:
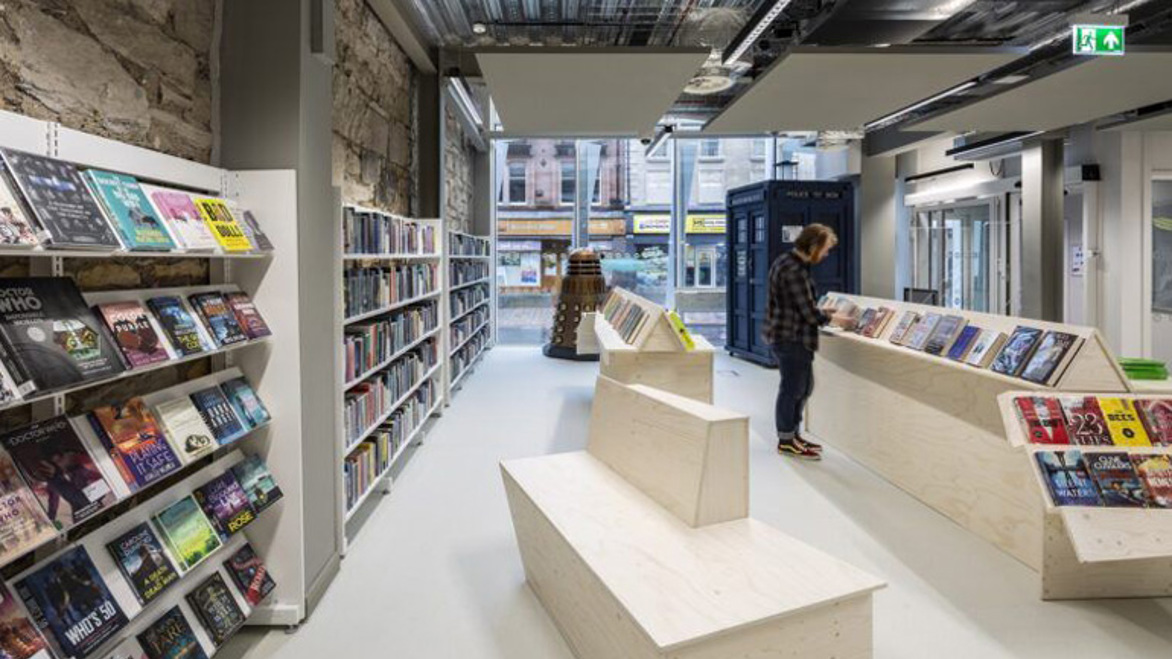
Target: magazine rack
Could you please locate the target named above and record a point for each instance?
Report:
(655, 356)
(933, 427)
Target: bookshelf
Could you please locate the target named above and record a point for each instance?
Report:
(470, 304)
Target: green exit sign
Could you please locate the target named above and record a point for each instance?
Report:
(1098, 39)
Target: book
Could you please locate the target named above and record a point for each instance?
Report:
(217, 413)
(218, 318)
(1156, 415)
(19, 638)
(1084, 421)
(1017, 350)
(880, 323)
(16, 227)
(184, 426)
(225, 504)
(216, 608)
(1123, 422)
(1042, 418)
(681, 330)
(1119, 484)
(247, 316)
(245, 401)
(56, 466)
(9, 391)
(1156, 473)
(188, 534)
(255, 234)
(49, 337)
(986, 346)
(1050, 357)
(918, 336)
(140, 556)
(218, 217)
(68, 600)
(964, 342)
(180, 325)
(135, 333)
(250, 575)
(865, 320)
(257, 482)
(187, 227)
(944, 335)
(58, 198)
(899, 334)
(170, 637)
(129, 211)
(135, 442)
(25, 524)
(1066, 476)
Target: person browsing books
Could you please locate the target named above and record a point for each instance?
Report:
(791, 327)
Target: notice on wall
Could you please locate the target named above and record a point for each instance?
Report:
(1077, 260)
(790, 232)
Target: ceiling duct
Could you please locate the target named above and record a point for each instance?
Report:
(714, 29)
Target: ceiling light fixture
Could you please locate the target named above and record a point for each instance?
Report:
(464, 101)
(479, 28)
(912, 108)
(757, 31)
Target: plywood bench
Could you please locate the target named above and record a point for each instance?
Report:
(641, 546)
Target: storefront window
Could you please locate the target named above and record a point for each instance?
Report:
(517, 183)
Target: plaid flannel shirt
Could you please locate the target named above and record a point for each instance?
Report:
(792, 314)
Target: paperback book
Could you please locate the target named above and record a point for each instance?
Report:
(987, 344)
(1156, 415)
(1085, 423)
(964, 343)
(68, 600)
(49, 337)
(257, 482)
(19, 638)
(9, 391)
(187, 533)
(140, 556)
(180, 325)
(944, 335)
(217, 609)
(135, 333)
(682, 333)
(217, 413)
(1123, 422)
(171, 637)
(1017, 350)
(25, 524)
(247, 316)
(255, 234)
(865, 320)
(245, 401)
(179, 212)
(1066, 476)
(129, 211)
(218, 318)
(219, 219)
(250, 575)
(58, 198)
(135, 441)
(184, 426)
(1156, 473)
(225, 504)
(1050, 358)
(918, 336)
(1042, 417)
(906, 322)
(1119, 484)
(16, 227)
(56, 466)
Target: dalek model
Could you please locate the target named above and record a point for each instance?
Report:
(583, 290)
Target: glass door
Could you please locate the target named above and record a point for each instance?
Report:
(954, 255)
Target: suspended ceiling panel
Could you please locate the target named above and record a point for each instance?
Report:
(1096, 88)
(840, 90)
(542, 92)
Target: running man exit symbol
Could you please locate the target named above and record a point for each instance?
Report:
(1098, 39)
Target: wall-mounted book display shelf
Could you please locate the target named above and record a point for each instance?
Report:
(470, 309)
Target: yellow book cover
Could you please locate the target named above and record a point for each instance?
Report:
(682, 332)
(1123, 422)
(219, 219)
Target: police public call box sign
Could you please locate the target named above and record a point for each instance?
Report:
(1098, 39)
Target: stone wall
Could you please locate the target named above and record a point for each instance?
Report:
(458, 174)
(374, 103)
(139, 71)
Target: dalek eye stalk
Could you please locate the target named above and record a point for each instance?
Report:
(583, 290)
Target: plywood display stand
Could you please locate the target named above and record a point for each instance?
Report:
(655, 357)
(934, 428)
(641, 547)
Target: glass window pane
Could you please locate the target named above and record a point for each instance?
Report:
(569, 180)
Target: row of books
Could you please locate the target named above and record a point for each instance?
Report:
(626, 316)
(373, 399)
(1096, 420)
(372, 343)
(462, 244)
(468, 325)
(466, 298)
(49, 202)
(374, 232)
(50, 339)
(468, 353)
(370, 289)
(1112, 479)
(1030, 353)
(370, 460)
(466, 272)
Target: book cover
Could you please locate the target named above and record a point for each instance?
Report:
(247, 316)
(25, 524)
(1123, 422)
(1156, 473)
(681, 329)
(16, 227)
(1084, 421)
(129, 648)
(58, 198)
(964, 341)
(1066, 476)
(225, 504)
(941, 339)
(1042, 419)
(51, 338)
(68, 601)
(129, 211)
(9, 391)
(134, 332)
(218, 217)
(179, 212)
(216, 608)
(257, 482)
(1156, 415)
(171, 637)
(19, 638)
(184, 426)
(899, 334)
(1049, 355)
(218, 318)
(217, 413)
(865, 320)
(1119, 484)
(255, 234)
(245, 401)
(179, 325)
(1017, 350)
(189, 535)
(918, 336)
(250, 575)
(135, 442)
(56, 466)
(140, 556)
(987, 345)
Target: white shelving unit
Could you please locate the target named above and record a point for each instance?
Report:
(466, 297)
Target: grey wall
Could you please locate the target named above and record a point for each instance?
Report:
(877, 228)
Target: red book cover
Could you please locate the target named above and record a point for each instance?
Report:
(1085, 423)
(134, 332)
(247, 315)
(1156, 415)
(1156, 473)
(1043, 419)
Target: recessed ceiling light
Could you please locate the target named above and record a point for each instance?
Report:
(479, 28)
(1011, 79)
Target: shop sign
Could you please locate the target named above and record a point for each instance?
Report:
(707, 224)
(652, 224)
(1098, 39)
(564, 228)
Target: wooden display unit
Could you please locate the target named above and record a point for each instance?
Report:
(655, 355)
(640, 547)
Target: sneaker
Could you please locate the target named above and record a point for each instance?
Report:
(797, 449)
(802, 441)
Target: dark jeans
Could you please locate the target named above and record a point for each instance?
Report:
(796, 365)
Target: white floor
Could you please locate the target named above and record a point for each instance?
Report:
(434, 572)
